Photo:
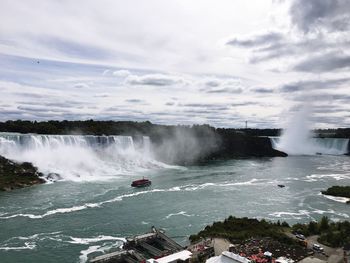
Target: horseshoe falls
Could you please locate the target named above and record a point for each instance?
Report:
(311, 146)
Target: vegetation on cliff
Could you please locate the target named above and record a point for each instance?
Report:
(17, 175)
(333, 234)
(134, 128)
(238, 229)
(342, 191)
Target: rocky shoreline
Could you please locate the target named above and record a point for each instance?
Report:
(18, 175)
(338, 191)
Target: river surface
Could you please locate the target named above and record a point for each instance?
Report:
(70, 221)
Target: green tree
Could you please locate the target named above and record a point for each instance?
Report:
(324, 223)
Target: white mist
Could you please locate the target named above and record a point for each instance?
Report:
(298, 139)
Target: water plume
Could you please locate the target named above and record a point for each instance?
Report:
(298, 139)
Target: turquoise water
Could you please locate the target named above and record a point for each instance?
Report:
(69, 221)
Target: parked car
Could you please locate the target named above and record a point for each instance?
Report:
(317, 248)
(300, 236)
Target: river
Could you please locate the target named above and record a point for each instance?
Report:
(72, 220)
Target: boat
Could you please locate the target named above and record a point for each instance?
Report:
(141, 183)
(281, 185)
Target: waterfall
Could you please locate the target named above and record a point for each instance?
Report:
(312, 146)
(297, 137)
(79, 158)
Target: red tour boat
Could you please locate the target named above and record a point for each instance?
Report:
(141, 183)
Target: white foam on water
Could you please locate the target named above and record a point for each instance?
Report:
(315, 177)
(97, 248)
(253, 181)
(128, 195)
(295, 215)
(84, 253)
(337, 198)
(181, 213)
(27, 245)
(86, 241)
(87, 205)
(307, 213)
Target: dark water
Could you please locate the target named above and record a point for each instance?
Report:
(65, 221)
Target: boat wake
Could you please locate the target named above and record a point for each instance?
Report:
(130, 195)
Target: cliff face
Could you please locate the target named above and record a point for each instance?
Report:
(194, 148)
(241, 145)
(17, 175)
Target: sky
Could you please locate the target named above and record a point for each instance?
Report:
(219, 62)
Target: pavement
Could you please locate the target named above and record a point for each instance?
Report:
(220, 245)
(330, 255)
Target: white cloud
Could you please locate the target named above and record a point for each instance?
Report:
(109, 53)
(121, 73)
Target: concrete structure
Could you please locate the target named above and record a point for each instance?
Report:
(154, 246)
(182, 256)
(228, 257)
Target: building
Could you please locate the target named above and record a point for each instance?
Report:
(228, 257)
(153, 247)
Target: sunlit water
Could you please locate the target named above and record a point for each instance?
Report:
(69, 221)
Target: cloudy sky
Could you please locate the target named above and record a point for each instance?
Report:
(176, 62)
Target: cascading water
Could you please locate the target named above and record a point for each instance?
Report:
(331, 146)
(79, 158)
(297, 138)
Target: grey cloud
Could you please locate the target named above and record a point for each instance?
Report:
(31, 95)
(102, 95)
(291, 87)
(62, 104)
(313, 85)
(299, 47)
(324, 63)
(218, 110)
(212, 83)
(134, 101)
(41, 109)
(170, 103)
(223, 90)
(328, 109)
(323, 97)
(222, 85)
(153, 80)
(261, 39)
(81, 86)
(262, 90)
(206, 105)
(313, 15)
(246, 103)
